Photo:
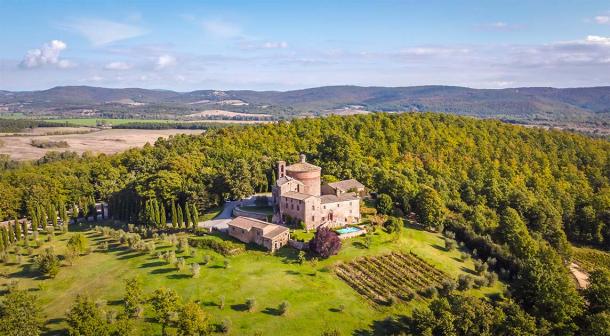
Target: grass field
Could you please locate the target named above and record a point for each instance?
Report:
(591, 259)
(313, 290)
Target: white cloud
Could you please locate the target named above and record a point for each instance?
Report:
(275, 45)
(165, 61)
(100, 32)
(48, 54)
(117, 66)
(594, 39)
(221, 28)
(602, 19)
(500, 26)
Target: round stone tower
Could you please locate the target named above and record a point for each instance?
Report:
(308, 174)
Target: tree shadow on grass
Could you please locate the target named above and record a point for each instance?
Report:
(210, 304)
(152, 264)
(271, 311)
(388, 326)
(438, 247)
(359, 245)
(288, 255)
(130, 256)
(467, 270)
(179, 276)
(240, 307)
(162, 270)
(216, 266)
(334, 310)
(115, 302)
(291, 272)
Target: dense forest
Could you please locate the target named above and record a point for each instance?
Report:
(515, 195)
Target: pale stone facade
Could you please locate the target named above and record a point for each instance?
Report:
(299, 196)
(250, 230)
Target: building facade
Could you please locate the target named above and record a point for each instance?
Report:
(298, 196)
(250, 230)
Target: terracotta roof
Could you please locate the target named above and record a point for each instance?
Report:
(276, 231)
(269, 230)
(346, 185)
(286, 179)
(325, 199)
(296, 195)
(247, 223)
(302, 166)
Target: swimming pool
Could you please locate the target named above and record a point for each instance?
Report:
(348, 230)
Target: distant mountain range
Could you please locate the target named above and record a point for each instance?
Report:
(535, 104)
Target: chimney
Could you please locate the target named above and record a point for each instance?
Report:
(302, 158)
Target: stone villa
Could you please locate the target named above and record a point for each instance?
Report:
(299, 196)
(250, 230)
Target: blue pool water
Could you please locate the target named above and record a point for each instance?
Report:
(348, 230)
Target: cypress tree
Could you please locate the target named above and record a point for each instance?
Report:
(180, 218)
(26, 238)
(11, 234)
(2, 242)
(187, 215)
(157, 213)
(17, 230)
(5, 240)
(195, 215)
(174, 215)
(34, 221)
(162, 215)
(42, 217)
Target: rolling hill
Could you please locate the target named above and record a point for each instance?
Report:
(535, 104)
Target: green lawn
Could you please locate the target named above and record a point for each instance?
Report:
(312, 290)
(212, 213)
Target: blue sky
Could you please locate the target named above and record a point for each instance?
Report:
(282, 45)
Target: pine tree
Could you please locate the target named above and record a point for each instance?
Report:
(180, 216)
(174, 215)
(162, 215)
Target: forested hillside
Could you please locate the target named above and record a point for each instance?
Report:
(581, 106)
(515, 194)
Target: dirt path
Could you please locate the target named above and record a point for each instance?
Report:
(582, 278)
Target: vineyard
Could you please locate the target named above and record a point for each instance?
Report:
(591, 259)
(384, 278)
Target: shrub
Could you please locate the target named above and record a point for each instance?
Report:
(301, 257)
(221, 302)
(224, 247)
(48, 263)
(195, 270)
(430, 292)
(480, 267)
(325, 243)
(393, 225)
(251, 304)
(465, 282)
(447, 286)
(225, 326)
(180, 264)
(206, 259)
(226, 263)
(450, 244)
(283, 308)
(480, 282)
(385, 204)
(491, 278)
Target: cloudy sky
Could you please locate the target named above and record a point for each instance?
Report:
(282, 45)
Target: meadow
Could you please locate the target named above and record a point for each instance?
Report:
(319, 300)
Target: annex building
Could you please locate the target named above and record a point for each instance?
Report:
(299, 196)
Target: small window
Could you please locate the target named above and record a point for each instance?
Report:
(297, 208)
(313, 218)
(313, 207)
